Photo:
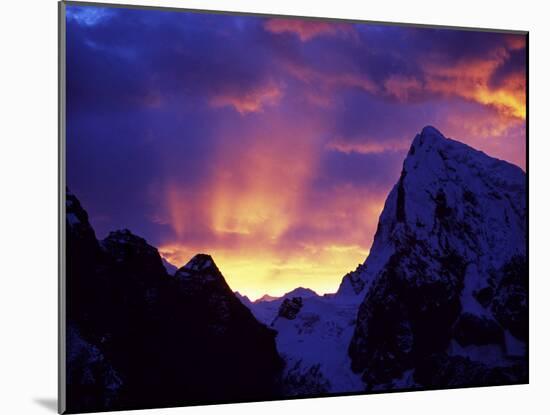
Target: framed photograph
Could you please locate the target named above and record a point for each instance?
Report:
(258, 207)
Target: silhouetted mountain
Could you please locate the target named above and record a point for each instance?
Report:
(352, 284)
(445, 284)
(139, 338)
(244, 299)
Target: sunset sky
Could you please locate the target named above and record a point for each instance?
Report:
(270, 143)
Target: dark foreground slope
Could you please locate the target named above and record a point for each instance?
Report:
(138, 337)
(445, 285)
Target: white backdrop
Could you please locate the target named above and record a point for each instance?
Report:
(28, 224)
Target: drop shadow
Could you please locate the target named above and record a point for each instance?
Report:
(48, 403)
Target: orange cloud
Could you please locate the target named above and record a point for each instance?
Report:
(470, 79)
(342, 221)
(249, 101)
(308, 29)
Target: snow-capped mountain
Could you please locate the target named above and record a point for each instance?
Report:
(313, 334)
(352, 284)
(445, 284)
(441, 299)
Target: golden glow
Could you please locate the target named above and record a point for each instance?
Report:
(471, 80)
(268, 232)
(259, 271)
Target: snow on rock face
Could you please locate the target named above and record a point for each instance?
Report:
(313, 334)
(201, 270)
(171, 269)
(290, 308)
(88, 372)
(301, 292)
(267, 307)
(352, 284)
(314, 342)
(450, 240)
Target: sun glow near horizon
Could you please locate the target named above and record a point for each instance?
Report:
(266, 273)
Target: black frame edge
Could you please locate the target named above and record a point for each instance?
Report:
(62, 317)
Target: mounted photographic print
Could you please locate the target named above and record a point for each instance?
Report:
(261, 207)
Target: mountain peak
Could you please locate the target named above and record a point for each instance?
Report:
(125, 236)
(202, 269)
(428, 138)
(301, 292)
(266, 297)
(451, 227)
(431, 131)
(123, 242)
(200, 262)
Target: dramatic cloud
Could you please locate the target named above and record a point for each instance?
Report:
(470, 79)
(270, 144)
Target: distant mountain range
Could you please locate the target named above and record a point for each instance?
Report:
(441, 301)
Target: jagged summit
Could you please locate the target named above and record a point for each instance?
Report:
(125, 247)
(125, 236)
(200, 262)
(443, 178)
(430, 140)
(296, 292)
(352, 283)
(201, 273)
(453, 226)
(440, 177)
